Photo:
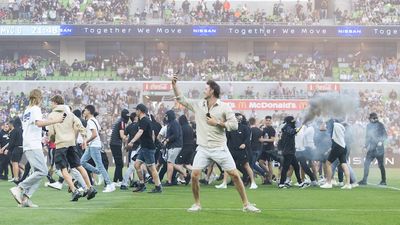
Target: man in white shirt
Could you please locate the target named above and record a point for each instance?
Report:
(94, 148)
(32, 147)
(212, 118)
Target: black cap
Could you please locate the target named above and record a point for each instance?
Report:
(125, 114)
(289, 119)
(142, 108)
(373, 115)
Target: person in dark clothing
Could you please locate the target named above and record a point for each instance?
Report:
(4, 158)
(185, 157)
(374, 146)
(256, 147)
(147, 150)
(238, 142)
(289, 132)
(15, 146)
(130, 132)
(117, 138)
(173, 143)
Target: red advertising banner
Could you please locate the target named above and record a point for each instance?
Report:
(266, 104)
(157, 86)
(323, 87)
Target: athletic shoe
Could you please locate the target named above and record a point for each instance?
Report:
(326, 186)
(28, 204)
(304, 185)
(221, 177)
(354, 185)
(334, 182)
(56, 185)
(203, 181)
(46, 184)
(340, 184)
(266, 182)
(287, 184)
(362, 182)
(253, 186)
(313, 183)
(17, 194)
(140, 188)
(194, 208)
(117, 184)
(91, 193)
(251, 208)
(76, 195)
(187, 178)
(282, 186)
(134, 183)
(180, 181)
(123, 187)
(346, 186)
(221, 186)
(383, 183)
(109, 188)
(156, 189)
(100, 180)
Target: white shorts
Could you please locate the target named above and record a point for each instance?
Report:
(205, 157)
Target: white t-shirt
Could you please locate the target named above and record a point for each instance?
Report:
(91, 125)
(32, 134)
(163, 132)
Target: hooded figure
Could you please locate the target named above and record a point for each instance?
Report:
(174, 132)
(125, 115)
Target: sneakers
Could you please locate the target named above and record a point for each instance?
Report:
(28, 204)
(123, 187)
(91, 193)
(251, 208)
(362, 182)
(354, 185)
(383, 183)
(194, 208)
(56, 185)
(253, 186)
(314, 183)
(334, 182)
(326, 185)
(221, 186)
(76, 195)
(17, 194)
(140, 188)
(109, 188)
(282, 186)
(304, 185)
(340, 184)
(117, 184)
(346, 186)
(156, 189)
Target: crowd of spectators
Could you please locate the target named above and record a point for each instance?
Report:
(163, 67)
(364, 12)
(370, 12)
(66, 12)
(110, 101)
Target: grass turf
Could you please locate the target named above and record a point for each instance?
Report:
(363, 205)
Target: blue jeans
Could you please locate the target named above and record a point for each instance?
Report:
(95, 154)
(147, 156)
(254, 157)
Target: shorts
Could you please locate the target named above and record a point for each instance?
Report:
(65, 157)
(172, 154)
(270, 156)
(337, 152)
(205, 157)
(185, 157)
(240, 156)
(147, 156)
(16, 154)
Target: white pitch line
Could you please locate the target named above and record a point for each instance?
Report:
(385, 186)
(213, 209)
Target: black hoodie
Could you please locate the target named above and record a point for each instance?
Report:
(16, 134)
(174, 132)
(187, 132)
(116, 138)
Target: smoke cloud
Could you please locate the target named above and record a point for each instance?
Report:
(330, 105)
